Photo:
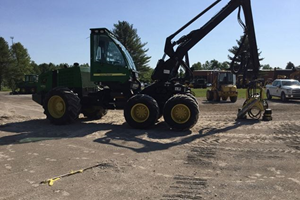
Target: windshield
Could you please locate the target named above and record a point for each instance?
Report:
(289, 83)
(106, 51)
(227, 78)
(127, 54)
(31, 78)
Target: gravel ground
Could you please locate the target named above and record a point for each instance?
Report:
(219, 158)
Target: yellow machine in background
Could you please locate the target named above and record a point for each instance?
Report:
(295, 75)
(223, 87)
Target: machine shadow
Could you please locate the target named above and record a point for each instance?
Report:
(40, 129)
(152, 140)
(216, 102)
(156, 138)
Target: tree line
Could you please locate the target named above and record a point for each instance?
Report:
(214, 64)
(15, 61)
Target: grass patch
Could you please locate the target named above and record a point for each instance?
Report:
(202, 92)
(5, 89)
(199, 92)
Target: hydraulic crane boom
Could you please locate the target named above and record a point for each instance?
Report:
(167, 70)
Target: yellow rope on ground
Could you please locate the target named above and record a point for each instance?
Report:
(51, 181)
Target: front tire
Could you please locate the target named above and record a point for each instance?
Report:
(181, 112)
(283, 97)
(269, 96)
(233, 99)
(61, 106)
(141, 111)
(193, 97)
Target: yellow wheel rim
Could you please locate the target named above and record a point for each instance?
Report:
(180, 113)
(140, 112)
(56, 106)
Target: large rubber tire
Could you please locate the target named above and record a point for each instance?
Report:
(233, 99)
(141, 111)
(95, 113)
(193, 97)
(181, 112)
(269, 96)
(283, 97)
(209, 95)
(61, 106)
(216, 96)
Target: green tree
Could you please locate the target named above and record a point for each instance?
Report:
(224, 65)
(44, 67)
(213, 64)
(34, 68)
(5, 60)
(84, 65)
(196, 66)
(128, 36)
(20, 64)
(290, 65)
(267, 66)
(244, 52)
(147, 75)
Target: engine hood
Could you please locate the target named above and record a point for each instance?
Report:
(291, 87)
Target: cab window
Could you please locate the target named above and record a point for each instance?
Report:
(227, 78)
(106, 51)
(275, 83)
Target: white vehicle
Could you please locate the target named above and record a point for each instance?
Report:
(284, 88)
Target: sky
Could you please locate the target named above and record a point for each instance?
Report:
(58, 31)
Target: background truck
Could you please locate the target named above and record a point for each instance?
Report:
(28, 86)
(284, 88)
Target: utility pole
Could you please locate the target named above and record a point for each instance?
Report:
(12, 40)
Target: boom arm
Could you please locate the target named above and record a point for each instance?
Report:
(166, 70)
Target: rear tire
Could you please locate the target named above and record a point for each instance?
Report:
(181, 112)
(141, 111)
(61, 106)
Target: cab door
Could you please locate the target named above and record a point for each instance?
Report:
(108, 63)
(274, 90)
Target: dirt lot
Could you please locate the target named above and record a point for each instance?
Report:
(220, 158)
